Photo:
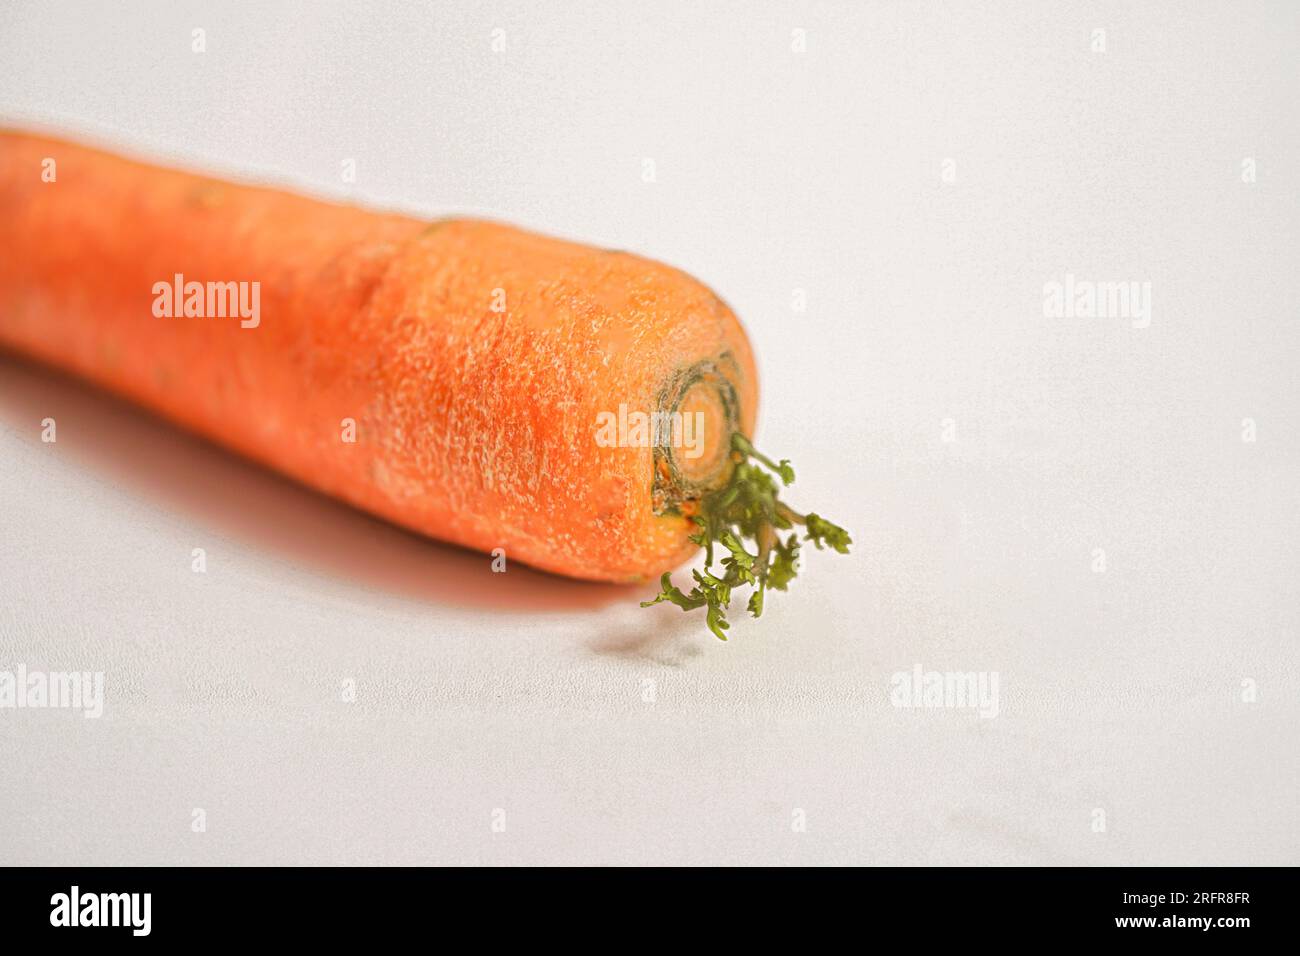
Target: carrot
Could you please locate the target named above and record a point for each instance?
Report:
(468, 380)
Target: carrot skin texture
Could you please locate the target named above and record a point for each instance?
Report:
(472, 425)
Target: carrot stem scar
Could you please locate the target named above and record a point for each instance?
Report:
(446, 376)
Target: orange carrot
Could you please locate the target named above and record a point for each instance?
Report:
(474, 382)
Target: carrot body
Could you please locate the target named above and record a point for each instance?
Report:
(474, 359)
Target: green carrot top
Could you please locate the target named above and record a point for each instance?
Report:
(747, 509)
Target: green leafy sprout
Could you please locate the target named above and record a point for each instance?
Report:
(748, 509)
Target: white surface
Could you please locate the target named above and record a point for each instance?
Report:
(775, 171)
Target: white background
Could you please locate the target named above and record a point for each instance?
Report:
(776, 171)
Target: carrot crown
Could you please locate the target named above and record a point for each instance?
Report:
(746, 509)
